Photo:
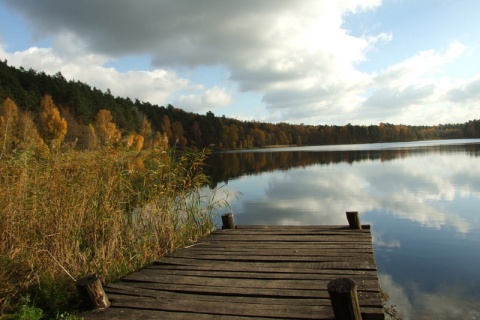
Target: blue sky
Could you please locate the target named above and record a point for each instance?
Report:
(302, 61)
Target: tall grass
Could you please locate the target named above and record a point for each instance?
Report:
(107, 212)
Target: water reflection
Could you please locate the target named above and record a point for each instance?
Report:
(223, 167)
(422, 201)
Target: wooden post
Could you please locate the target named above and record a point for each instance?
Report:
(227, 221)
(343, 295)
(92, 293)
(354, 220)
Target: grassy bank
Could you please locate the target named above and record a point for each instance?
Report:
(107, 212)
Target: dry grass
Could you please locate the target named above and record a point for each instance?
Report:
(104, 212)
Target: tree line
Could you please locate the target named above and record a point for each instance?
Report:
(93, 118)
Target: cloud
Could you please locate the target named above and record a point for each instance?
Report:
(297, 56)
(397, 296)
(209, 100)
(412, 89)
(396, 98)
(155, 86)
(421, 67)
(466, 92)
(448, 301)
(267, 46)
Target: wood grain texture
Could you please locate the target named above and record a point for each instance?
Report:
(257, 272)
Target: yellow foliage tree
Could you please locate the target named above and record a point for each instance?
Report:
(138, 142)
(106, 131)
(8, 124)
(53, 126)
(28, 136)
(161, 141)
(91, 141)
(147, 133)
(134, 141)
(129, 139)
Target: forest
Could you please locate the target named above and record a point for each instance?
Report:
(83, 108)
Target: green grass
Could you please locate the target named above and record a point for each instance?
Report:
(107, 212)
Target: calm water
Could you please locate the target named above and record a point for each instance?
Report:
(422, 200)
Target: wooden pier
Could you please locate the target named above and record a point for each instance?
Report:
(252, 272)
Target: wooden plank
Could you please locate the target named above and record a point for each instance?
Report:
(307, 284)
(287, 238)
(257, 255)
(246, 265)
(275, 250)
(142, 314)
(220, 308)
(255, 269)
(366, 298)
(259, 275)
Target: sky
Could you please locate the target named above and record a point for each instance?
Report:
(413, 62)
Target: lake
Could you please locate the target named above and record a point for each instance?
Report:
(422, 200)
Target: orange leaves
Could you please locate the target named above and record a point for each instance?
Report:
(53, 126)
(106, 131)
(8, 124)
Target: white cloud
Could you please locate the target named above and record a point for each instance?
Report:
(397, 296)
(467, 91)
(155, 86)
(209, 100)
(413, 89)
(419, 68)
(297, 56)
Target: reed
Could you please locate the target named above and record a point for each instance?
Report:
(107, 212)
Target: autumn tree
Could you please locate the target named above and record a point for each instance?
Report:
(8, 124)
(258, 136)
(146, 134)
(197, 134)
(178, 134)
(138, 142)
(166, 126)
(161, 141)
(134, 141)
(28, 136)
(232, 135)
(106, 131)
(90, 138)
(53, 127)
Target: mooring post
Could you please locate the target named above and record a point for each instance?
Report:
(354, 220)
(344, 298)
(227, 221)
(91, 292)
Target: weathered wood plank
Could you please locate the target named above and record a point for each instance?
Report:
(256, 269)
(307, 284)
(275, 250)
(142, 314)
(257, 255)
(365, 298)
(348, 265)
(220, 308)
(260, 275)
(287, 238)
